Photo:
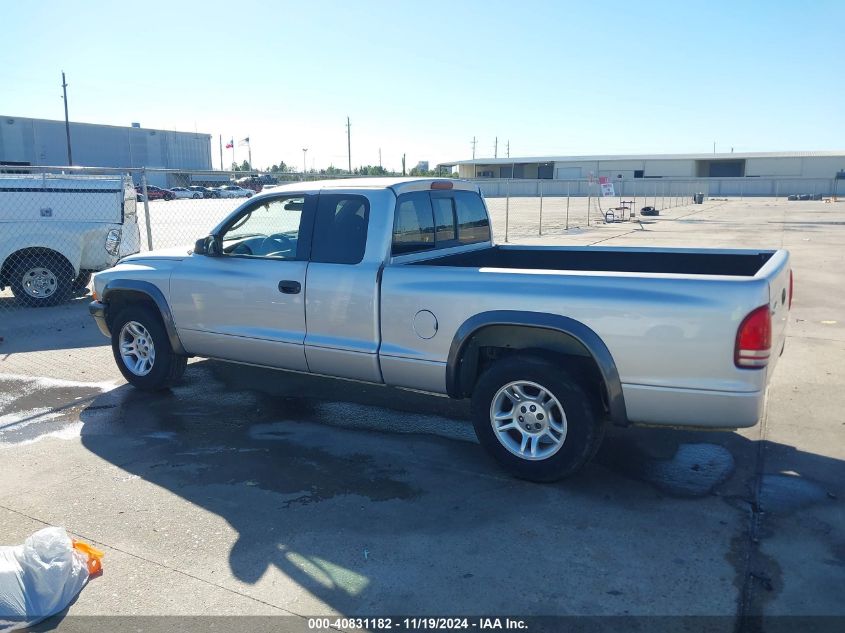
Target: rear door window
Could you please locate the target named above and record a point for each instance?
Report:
(340, 229)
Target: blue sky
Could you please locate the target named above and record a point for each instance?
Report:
(424, 78)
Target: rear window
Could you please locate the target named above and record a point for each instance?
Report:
(473, 225)
(413, 228)
(427, 220)
(340, 229)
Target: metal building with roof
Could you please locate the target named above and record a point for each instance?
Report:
(820, 164)
(32, 142)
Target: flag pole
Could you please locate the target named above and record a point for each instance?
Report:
(221, 152)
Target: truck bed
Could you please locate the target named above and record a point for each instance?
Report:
(604, 259)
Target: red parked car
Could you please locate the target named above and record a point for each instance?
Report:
(155, 193)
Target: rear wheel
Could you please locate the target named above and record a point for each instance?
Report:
(142, 349)
(535, 419)
(42, 280)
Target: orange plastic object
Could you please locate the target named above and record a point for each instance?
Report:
(94, 556)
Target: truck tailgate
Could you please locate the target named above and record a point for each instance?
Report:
(778, 272)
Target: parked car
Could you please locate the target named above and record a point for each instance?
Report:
(234, 191)
(550, 343)
(649, 211)
(185, 192)
(792, 196)
(155, 193)
(205, 192)
(56, 230)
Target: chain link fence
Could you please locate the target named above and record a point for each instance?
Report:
(60, 225)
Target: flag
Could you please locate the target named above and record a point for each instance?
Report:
(230, 144)
(243, 141)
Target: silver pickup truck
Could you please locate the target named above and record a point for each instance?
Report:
(398, 282)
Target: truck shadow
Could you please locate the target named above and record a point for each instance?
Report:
(332, 492)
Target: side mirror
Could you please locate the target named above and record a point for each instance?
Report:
(210, 246)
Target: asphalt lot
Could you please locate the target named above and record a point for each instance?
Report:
(246, 491)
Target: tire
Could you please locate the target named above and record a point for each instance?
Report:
(569, 433)
(168, 197)
(164, 367)
(82, 280)
(42, 280)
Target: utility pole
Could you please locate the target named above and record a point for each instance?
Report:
(474, 166)
(221, 153)
(349, 143)
(304, 150)
(67, 123)
(509, 148)
(379, 158)
(403, 164)
(496, 148)
(474, 141)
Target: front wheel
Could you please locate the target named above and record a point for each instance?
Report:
(142, 349)
(536, 420)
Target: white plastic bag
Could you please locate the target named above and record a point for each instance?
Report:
(39, 578)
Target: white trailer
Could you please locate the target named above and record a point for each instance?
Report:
(55, 230)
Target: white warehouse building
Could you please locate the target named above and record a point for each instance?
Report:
(752, 173)
(26, 142)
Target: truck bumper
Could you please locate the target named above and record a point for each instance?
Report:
(98, 311)
(668, 406)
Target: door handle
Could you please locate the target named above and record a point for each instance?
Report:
(289, 287)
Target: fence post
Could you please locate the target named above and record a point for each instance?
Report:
(507, 208)
(568, 185)
(146, 209)
(540, 187)
(589, 202)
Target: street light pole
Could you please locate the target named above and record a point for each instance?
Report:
(304, 150)
(67, 123)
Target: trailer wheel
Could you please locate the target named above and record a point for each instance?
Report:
(535, 419)
(41, 279)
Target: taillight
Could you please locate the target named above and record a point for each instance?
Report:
(442, 184)
(790, 289)
(754, 339)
